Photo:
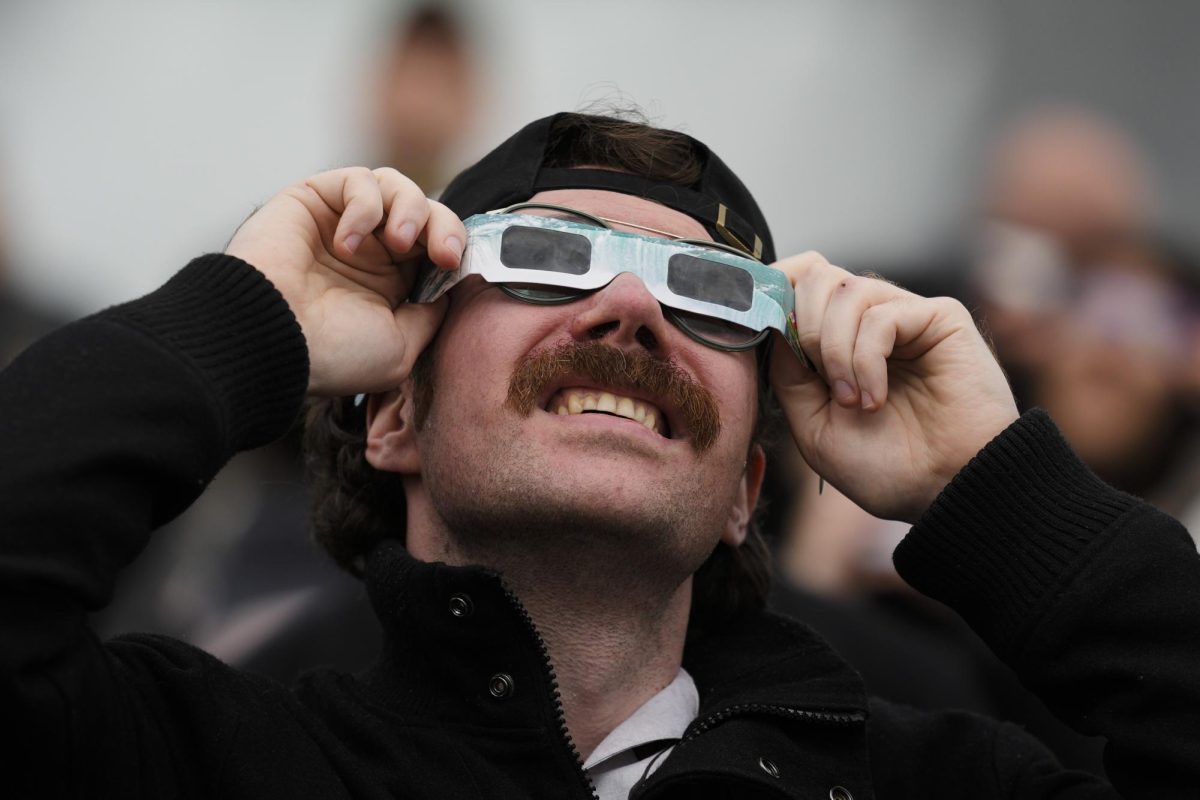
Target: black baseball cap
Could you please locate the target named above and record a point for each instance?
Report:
(516, 170)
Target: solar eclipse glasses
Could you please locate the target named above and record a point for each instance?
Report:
(713, 293)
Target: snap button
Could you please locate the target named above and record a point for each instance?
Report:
(840, 793)
(500, 685)
(461, 605)
(768, 766)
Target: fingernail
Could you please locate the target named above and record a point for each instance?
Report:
(353, 241)
(867, 401)
(843, 391)
(407, 232)
(455, 244)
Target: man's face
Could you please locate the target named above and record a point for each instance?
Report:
(492, 467)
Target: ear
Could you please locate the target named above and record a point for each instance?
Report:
(391, 443)
(738, 524)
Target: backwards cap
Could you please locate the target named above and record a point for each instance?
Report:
(514, 172)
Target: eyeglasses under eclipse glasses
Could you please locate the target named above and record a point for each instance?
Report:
(715, 294)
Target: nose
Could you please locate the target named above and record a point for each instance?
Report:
(624, 314)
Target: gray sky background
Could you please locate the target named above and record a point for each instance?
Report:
(137, 134)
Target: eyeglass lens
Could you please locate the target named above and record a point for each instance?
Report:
(697, 278)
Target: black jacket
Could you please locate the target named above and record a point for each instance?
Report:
(113, 425)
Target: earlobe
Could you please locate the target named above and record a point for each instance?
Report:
(391, 445)
(737, 527)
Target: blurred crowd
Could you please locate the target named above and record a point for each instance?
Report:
(1093, 311)
(1095, 315)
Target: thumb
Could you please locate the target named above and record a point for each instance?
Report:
(801, 391)
(418, 323)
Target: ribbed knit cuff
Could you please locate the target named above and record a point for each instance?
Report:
(234, 326)
(1010, 530)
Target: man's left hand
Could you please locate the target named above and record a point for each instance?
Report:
(906, 391)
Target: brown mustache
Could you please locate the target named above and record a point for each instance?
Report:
(610, 367)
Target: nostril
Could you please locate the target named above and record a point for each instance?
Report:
(646, 338)
(602, 330)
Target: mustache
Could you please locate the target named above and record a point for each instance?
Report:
(610, 367)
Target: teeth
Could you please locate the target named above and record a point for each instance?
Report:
(576, 401)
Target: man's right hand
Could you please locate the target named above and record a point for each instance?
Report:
(343, 247)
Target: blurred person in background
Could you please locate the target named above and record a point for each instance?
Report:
(1061, 186)
(237, 574)
(425, 93)
(1094, 315)
(1095, 319)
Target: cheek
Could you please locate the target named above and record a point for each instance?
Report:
(481, 343)
(740, 375)
(735, 385)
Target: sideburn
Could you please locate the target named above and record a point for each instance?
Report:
(422, 383)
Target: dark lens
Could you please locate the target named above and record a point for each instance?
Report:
(542, 295)
(710, 281)
(545, 249)
(718, 332)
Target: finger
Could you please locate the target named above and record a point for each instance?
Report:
(354, 195)
(419, 322)
(851, 297)
(814, 280)
(407, 210)
(906, 327)
(801, 392)
(444, 236)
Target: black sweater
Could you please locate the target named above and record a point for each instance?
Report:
(113, 425)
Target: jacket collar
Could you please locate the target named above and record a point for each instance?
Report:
(451, 634)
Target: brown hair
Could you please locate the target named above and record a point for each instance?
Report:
(354, 506)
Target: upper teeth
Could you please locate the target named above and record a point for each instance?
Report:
(577, 401)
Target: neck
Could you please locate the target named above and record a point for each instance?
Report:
(614, 633)
(612, 650)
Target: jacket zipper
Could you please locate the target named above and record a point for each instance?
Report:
(825, 717)
(559, 713)
(699, 726)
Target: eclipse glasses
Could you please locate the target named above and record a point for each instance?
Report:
(713, 293)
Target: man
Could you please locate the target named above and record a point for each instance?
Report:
(536, 605)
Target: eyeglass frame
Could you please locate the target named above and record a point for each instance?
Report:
(673, 314)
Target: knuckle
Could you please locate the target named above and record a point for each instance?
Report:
(386, 173)
(864, 360)
(442, 210)
(834, 352)
(951, 308)
(440, 213)
(874, 315)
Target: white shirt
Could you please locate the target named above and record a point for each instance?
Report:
(639, 744)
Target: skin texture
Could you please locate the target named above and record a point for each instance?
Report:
(342, 248)
(905, 393)
(596, 522)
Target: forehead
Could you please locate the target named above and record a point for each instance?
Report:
(626, 208)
